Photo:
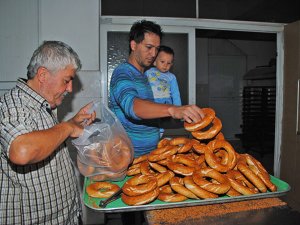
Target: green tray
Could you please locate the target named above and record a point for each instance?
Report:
(119, 206)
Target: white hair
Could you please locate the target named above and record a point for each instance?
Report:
(53, 55)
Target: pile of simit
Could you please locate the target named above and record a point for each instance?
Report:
(202, 167)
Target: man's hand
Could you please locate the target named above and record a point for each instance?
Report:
(190, 113)
(83, 117)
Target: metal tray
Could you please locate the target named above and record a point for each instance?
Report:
(119, 206)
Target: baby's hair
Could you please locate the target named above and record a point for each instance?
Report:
(166, 49)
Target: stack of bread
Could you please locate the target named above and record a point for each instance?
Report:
(105, 161)
(205, 166)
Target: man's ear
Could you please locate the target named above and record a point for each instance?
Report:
(133, 45)
(41, 74)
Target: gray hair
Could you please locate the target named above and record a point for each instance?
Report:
(53, 55)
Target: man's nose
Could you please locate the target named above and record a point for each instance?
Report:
(70, 86)
(154, 51)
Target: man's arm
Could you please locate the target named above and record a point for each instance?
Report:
(38, 145)
(151, 110)
(35, 146)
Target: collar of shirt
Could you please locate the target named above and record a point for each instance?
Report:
(38, 100)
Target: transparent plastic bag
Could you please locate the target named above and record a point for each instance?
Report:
(104, 149)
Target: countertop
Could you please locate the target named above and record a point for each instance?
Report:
(268, 211)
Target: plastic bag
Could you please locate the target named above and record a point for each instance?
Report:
(104, 149)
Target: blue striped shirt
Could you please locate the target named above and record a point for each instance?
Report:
(128, 83)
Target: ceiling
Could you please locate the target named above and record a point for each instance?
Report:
(274, 11)
(278, 11)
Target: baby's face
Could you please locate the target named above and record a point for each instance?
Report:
(163, 61)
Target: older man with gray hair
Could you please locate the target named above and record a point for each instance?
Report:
(37, 179)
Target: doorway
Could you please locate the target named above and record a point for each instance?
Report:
(234, 72)
(190, 27)
(118, 48)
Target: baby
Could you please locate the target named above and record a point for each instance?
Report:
(164, 83)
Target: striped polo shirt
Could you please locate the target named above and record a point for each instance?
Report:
(128, 83)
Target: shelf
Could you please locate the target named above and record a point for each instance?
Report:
(258, 117)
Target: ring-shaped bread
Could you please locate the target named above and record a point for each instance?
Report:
(177, 184)
(203, 177)
(160, 150)
(85, 170)
(163, 178)
(163, 153)
(185, 144)
(139, 159)
(213, 161)
(233, 193)
(139, 184)
(209, 115)
(211, 132)
(101, 189)
(140, 199)
(220, 136)
(244, 168)
(200, 160)
(163, 142)
(134, 169)
(223, 156)
(119, 157)
(157, 167)
(166, 194)
(181, 164)
(240, 183)
(200, 148)
(196, 189)
(146, 169)
(258, 169)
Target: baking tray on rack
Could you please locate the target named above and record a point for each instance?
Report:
(119, 206)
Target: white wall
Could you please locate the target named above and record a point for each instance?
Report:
(221, 65)
(18, 39)
(75, 22)
(258, 53)
(26, 24)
